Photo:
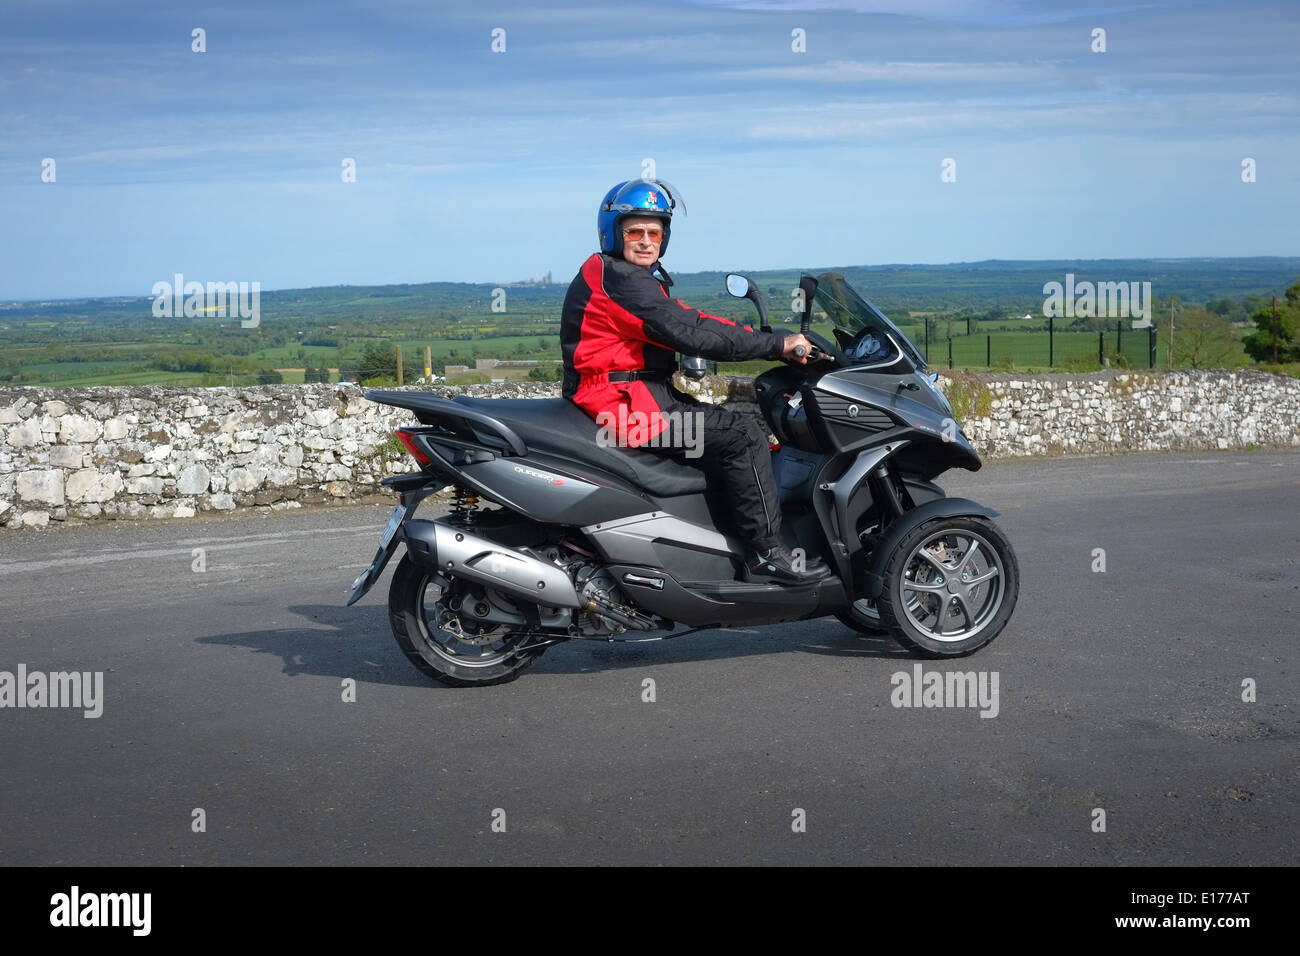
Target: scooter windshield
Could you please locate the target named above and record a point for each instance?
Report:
(854, 314)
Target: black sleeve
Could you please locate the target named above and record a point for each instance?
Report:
(668, 323)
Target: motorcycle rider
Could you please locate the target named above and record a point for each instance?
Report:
(619, 331)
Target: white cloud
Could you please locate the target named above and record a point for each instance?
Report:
(857, 71)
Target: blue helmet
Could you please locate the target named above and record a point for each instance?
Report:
(636, 197)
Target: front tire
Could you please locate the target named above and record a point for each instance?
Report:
(471, 658)
(950, 586)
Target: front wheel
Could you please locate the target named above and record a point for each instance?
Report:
(434, 639)
(950, 586)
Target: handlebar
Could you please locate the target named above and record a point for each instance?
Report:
(814, 354)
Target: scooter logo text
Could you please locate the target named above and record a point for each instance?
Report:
(544, 476)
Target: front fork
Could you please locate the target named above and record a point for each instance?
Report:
(884, 492)
(838, 504)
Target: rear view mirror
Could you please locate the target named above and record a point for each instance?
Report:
(693, 366)
(738, 285)
(742, 288)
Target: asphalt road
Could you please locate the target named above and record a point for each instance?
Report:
(1119, 691)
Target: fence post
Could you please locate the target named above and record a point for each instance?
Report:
(1151, 347)
(1119, 336)
(1101, 348)
(925, 320)
(399, 365)
(950, 351)
(1274, 340)
(428, 364)
(1051, 341)
(988, 351)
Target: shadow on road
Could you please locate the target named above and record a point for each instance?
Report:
(338, 643)
(357, 643)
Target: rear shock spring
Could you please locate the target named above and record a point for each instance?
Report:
(463, 504)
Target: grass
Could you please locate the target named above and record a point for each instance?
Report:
(499, 347)
(969, 397)
(79, 376)
(287, 355)
(1017, 351)
(1287, 368)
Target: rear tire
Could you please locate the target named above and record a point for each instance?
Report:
(491, 656)
(950, 586)
(864, 617)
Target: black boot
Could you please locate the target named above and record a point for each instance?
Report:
(776, 566)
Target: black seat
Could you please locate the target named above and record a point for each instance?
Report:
(559, 428)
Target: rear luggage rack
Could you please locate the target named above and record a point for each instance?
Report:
(431, 410)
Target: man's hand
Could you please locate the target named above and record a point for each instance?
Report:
(792, 342)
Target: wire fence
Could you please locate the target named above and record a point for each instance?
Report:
(1118, 347)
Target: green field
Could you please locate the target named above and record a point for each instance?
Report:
(1022, 350)
(296, 356)
(1030, 352)
(76, 375)
(117, 340)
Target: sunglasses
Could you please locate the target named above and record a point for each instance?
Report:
(637, 233)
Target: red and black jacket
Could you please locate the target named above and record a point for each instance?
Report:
(618, 316)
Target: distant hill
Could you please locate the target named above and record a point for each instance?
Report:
(1018, 284)
(993, 283)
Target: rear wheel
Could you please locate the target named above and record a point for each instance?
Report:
(950, 586)
(863, 615)
(456, 653)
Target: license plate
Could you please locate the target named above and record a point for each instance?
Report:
(390, 529)
(386, 547)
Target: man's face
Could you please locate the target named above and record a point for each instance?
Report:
(648, 232)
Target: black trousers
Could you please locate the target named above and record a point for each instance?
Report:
(705, 435)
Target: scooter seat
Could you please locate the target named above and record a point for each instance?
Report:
(560, 429)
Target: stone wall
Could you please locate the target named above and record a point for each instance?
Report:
(1107, 412)
(164, 452)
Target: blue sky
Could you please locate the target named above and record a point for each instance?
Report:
(487, 167)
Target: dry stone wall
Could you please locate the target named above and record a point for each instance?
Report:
(165, 452)
(1109, 412)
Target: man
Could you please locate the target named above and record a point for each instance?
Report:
(619, 331)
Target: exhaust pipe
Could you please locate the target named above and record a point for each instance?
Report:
(462, 554)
